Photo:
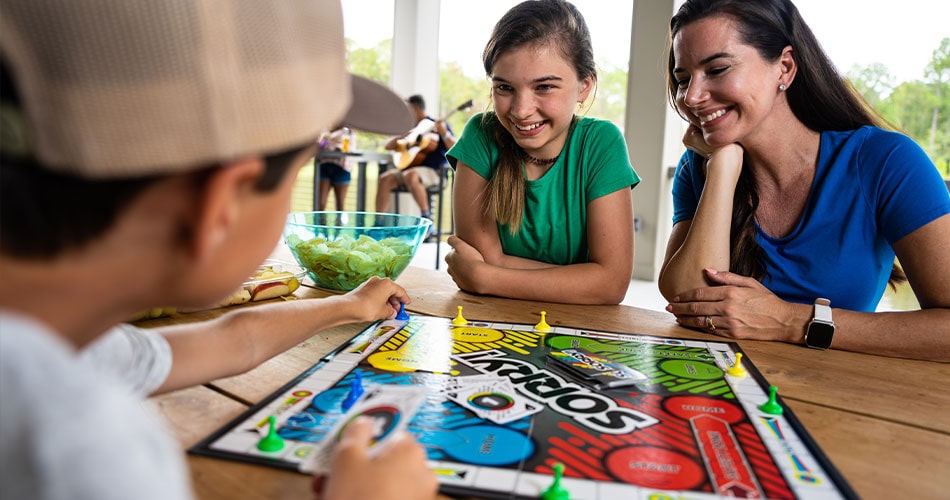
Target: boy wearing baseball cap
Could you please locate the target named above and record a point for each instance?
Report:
(148, 152)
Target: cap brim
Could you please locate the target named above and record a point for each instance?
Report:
(376, 109)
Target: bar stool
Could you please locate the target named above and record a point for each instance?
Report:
(437, 192)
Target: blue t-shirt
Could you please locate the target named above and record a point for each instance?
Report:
(872, 187)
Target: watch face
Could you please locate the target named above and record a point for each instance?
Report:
(819, 335)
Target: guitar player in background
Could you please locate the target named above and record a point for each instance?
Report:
(420, 156)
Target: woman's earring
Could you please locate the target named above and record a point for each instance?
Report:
(781, 87)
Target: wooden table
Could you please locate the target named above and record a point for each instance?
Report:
(883, 422)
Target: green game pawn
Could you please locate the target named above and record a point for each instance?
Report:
(771, 406)
(556, 491)
(271, 442)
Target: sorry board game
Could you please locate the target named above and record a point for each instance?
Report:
(499, 419)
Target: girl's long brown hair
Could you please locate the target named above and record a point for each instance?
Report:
(555, 23)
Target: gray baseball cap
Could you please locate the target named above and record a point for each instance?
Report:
(123, 88)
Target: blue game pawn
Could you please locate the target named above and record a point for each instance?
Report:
(401, 315)
(356, 390)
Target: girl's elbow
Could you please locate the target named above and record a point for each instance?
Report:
(615, 291)
(613, 299)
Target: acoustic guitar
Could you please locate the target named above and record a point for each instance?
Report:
(412, 149)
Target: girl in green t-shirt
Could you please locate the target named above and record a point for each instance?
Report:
(542, 203)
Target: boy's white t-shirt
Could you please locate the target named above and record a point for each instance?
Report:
(136, 357)
(69, 429)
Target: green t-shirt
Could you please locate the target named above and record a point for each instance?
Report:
(593, 163)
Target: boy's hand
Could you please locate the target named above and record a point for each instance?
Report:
(378, 298)
(398, 471)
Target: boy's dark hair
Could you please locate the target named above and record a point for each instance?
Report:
(44, 213)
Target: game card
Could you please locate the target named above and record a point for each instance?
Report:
(492, 398)
(594, 369)
(452, 384)
(390, 407)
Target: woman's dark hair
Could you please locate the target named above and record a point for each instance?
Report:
(44, 213)
(819, 96)
(554, 23)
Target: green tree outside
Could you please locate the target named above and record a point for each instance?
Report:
(920, 109)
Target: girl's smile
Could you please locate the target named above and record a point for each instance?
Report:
(535, 92)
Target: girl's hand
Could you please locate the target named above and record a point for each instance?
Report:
(739, 307)
(463, 262)
(378, 298)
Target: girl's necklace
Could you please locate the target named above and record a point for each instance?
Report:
(539, 161)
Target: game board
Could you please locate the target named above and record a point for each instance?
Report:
(495, 416)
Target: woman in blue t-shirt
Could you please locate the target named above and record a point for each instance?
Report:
(542, 198)
(791, 195)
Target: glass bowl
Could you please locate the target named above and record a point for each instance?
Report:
(341, 250)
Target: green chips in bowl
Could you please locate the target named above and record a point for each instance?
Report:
(341, 250)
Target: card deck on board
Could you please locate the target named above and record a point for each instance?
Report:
(593, 369)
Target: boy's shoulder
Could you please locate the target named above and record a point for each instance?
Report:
(66, 431)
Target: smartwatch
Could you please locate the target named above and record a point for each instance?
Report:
(821, 329)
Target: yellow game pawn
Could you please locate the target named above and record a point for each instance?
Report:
(543, 325)
(459, 319)
(736, 370)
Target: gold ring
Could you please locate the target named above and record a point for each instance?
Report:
(709, 324)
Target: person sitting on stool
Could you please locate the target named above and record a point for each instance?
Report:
(423, 155)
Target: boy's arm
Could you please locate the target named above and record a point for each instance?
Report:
(243, 339)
